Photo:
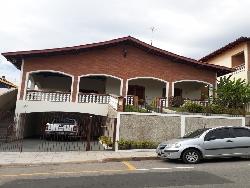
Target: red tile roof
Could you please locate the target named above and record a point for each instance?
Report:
(225, 48)
(7, 83)
(16, 57)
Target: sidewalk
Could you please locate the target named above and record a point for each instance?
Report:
(32, 158)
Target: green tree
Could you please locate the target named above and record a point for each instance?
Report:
(232, 93)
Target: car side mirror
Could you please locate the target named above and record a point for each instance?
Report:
(211, 138)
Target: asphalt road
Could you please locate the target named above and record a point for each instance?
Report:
(133, 174)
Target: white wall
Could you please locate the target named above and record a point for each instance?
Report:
(23, 106)
(190, 90)
(153, 88)
(113, 86)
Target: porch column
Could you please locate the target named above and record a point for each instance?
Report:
(210, 92)
(168, 92)
(74, 88)
(124, 88)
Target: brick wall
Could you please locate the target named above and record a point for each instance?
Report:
(137, 63)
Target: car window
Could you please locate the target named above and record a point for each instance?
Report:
(220, 133)
(196, 133)
(241, 132)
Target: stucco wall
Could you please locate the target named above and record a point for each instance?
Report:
(149, 127)
(159, 127)
(225, 58)
(193, 123)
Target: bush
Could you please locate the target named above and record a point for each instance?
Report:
(176, 101)
(192, 107)
(130, 144)
(131, 108)
(214, 109)
(106, 140)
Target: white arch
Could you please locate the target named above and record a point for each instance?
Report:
(153, 78)
(106, 75)
(54, 71)
(199, 81)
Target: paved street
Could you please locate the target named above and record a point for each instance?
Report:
(148, 173)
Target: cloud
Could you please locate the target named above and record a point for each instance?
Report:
(191, 28)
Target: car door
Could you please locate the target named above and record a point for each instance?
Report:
(218, 142)
(242, 140)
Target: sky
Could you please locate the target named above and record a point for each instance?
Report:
(192, 28)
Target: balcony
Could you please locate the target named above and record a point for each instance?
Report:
(239, 69)
(51, 96)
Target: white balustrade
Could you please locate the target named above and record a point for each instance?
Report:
(93, 98)
(52, 96)
(130, 100)
(238, 69)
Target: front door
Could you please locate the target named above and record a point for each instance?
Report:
(218, 142)
(139, 91)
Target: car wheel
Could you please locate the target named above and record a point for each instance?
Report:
(191, 156)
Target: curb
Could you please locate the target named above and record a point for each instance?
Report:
(80, 162)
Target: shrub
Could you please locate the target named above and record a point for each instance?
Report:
(192, 107)
(131, 108)
(176, 101)
(130, 144)
(214, 109)
(106, 140)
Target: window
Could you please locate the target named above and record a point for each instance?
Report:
(241, 132)
(196, 133)
(218, 134)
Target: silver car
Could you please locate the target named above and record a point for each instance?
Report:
(207, 143)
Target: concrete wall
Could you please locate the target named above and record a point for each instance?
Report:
(193, 123)
(149, 127)
(159, 127)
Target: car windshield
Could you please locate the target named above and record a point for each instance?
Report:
(195, 133)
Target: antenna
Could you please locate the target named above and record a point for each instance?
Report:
(152, 32)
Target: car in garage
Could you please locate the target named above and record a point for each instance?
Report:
(66, 127)
(227, 141)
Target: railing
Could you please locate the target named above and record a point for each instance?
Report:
(200, 102)
(130, 100)
(52, 96)
(93, 98)
(110, 99)
(239, 68)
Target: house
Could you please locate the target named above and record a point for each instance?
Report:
(233, 55)
(5, 84)
(90, 78)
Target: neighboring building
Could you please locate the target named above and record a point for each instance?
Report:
(5, 85)
(80, 78)
(234, 55)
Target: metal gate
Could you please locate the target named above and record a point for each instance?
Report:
(26, 133)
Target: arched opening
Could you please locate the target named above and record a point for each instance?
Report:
(146, 89)
(100, 84)
(49, 86)
(192, 90)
